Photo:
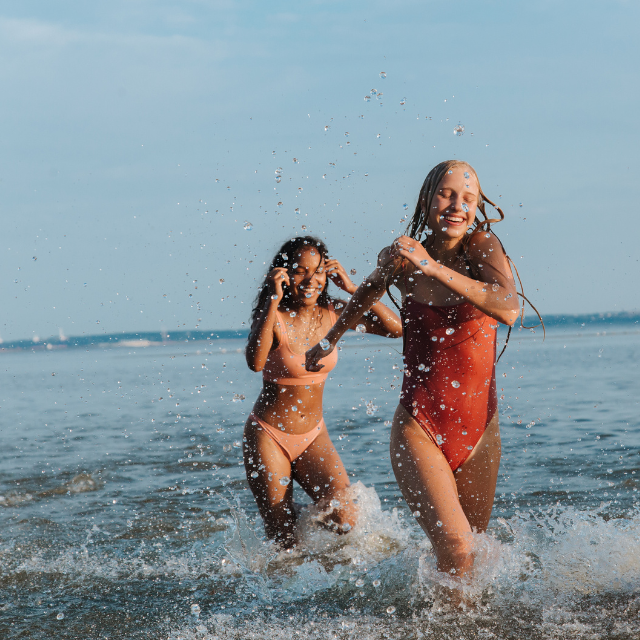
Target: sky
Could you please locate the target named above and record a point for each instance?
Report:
(141, 142)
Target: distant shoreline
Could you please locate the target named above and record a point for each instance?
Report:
(143, 339)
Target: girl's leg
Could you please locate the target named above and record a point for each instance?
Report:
(265, 465)
(429, 488)
(320, 472)
(477, 477)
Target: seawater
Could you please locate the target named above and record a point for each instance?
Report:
(124, 511)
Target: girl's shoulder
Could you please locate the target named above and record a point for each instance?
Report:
(483, 243)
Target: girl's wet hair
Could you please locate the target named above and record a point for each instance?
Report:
(285, 257)
(419, 223)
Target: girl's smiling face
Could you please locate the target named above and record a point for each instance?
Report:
(454, 204)
(308, 278)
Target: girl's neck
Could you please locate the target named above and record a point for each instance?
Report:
(303, 312)
(445, 251)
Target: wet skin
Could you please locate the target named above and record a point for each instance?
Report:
(448, 505)
(297, 409)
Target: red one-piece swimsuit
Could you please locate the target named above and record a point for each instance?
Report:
(449, 385)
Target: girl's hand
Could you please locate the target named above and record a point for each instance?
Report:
(415, 253)
(316, 353)
(276, 278)
(338, 275)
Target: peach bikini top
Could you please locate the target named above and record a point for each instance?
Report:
(285, 367)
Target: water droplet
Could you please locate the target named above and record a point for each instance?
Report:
(416, 514)
(60, 616)
(439, 439)
(442, 406)
(221, 280)
(361, 328)
(520, 204)
(346, 527)
(359, 582)
(274, 296)
(411, 249)
(335, 503)
(366, 99)
(420, 367)
(464, 433)
(458, 130)
(466, 175)
(391, 610)
(293, 314)
(285, 480)
(424, 263)
(327, 127)
(280, 204)
(237, 397)
(403, 101)
(439, 523)
(308, 295)
(247, 226)
(324, 344)
(465, 207)
(434, 338)
(449, 331)
(195, 610)
(254, 474)
(373, 92)
(383, 74)
(495, 286)
(405, 206)
(376, 583)
(295, 159)
(455, 384)
(297, 210)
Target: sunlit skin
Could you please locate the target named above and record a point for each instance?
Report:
(319, 470)
(462, 501)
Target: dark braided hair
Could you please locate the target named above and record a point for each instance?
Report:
(285, 258)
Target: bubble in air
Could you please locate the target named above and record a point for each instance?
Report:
(416, 514)
(455, 384)
(383, 74)
(247, 226)
(324, 344)
(361, 328)
(458, 130)
(60, 616)
(353, 272)
(285, 480)
(391, 610)
(449, 330)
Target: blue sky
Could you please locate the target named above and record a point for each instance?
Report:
(138, 138)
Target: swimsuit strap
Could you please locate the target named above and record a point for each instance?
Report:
(284, 338)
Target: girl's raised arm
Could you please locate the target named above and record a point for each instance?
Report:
(262, 330)
(365, 297)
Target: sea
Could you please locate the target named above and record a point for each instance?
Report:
(125, 512)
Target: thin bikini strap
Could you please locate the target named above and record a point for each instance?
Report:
(284, 338)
